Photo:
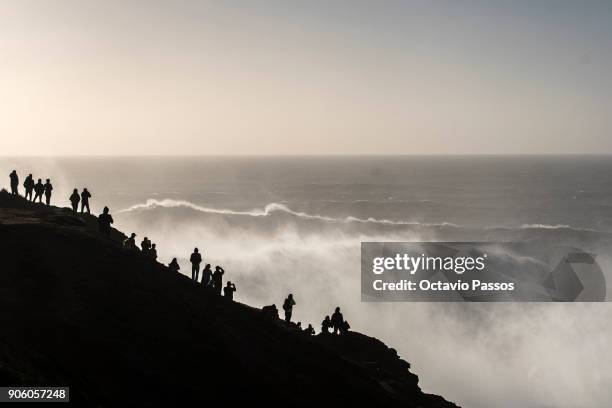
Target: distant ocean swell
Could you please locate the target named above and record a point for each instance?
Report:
(272, 208)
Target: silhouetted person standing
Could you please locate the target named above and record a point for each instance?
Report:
(345, 328)
(74, 200)
(228, 290)
(153, 252)
(174, 266)
(39, 189)
(325, 325)
(14, 182)
(145, 245)
(337, 320)
(196, 260)
(206, 275)
(217, 279)
(288, 307)
(310, 330)
(130, 243)
(85, 196)
(28, 184)
(48, 190)
(104, 222)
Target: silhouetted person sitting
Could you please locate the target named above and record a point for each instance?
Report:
(39, 189)
(299, 326)
(48, 190)
(345, 328)
(309, 330)
(14, 182)
(288, 307)
(325, 325)
(104, 222)
(28, 184)
(145, 245)
(153, 252)
(337, 320)
(174, 266)
(85, 196)
(228, 290)
(74, 200)
(130, 243)
(196, 260)
(217, 279)
(206, 275)
(270, 312)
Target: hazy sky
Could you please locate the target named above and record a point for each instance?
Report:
(289, 77)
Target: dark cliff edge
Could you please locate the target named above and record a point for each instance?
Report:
(77, 310)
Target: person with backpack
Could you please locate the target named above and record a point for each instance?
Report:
(74, 200)
(288, 307)
(28, 184)
(39, 189)
(337, 320)
(325, 325)
(130, 243)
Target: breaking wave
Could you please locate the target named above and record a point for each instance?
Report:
(271, 208)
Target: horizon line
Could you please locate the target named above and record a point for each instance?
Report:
(307, 155)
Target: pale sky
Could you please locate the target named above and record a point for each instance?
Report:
(305, 77)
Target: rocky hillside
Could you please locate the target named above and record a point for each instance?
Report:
(119, 328)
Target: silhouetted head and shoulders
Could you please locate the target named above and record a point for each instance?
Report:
(145, 244)
(289, 301)
(337, 317)
(85, 194)
(229, 289)
(174, 265)
(326, 325)
(153, 251)
(196, 257)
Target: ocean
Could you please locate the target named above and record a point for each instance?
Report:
(282, 225)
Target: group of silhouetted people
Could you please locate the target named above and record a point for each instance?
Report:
(39, 189)
(210, 280)
(83, 198)
(337, 323)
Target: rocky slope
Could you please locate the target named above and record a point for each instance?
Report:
(118, 328)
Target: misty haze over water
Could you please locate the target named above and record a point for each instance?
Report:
(294, 224)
